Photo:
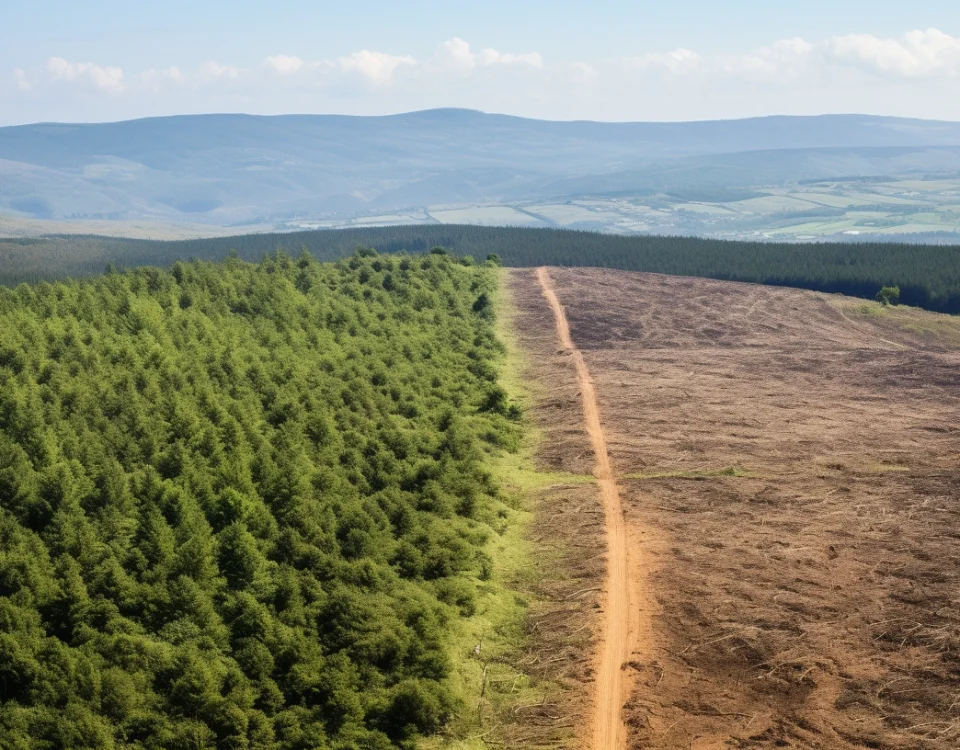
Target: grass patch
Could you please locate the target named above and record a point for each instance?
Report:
(729, 471)
(518, 473)
(941, 327)
(487, 646)
(888, 468)
(871, 310)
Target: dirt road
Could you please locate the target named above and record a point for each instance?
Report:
(609, 732)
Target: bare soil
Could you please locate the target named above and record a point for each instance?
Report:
(789, 466)
(565, 591)
(620, 636)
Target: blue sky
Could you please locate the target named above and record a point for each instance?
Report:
(604, 60)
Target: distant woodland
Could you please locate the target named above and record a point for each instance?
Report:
(928, 275)
(243, 505)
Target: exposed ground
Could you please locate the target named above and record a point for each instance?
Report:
(619, 634)
(789, 464)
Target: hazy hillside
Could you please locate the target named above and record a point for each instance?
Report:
(233, 169)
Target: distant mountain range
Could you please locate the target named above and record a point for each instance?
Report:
(234, 169)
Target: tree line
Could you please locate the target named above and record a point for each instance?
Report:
(928, 275)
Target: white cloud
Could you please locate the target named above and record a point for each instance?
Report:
(284, 64)
(456, 54)
(23, 83)
(916, 54)
(795, 46)
(582, 72)
(154, 79)
(107, 78)
(377, 67)
(492, 57)
(212, 71)
(680, 60)
(784, 57)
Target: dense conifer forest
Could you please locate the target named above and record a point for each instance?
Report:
(928, 275)
(244, 505)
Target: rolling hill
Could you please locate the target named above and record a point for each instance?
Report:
(240, 169)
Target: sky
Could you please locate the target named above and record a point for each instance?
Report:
(61, 60)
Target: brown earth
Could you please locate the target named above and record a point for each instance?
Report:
(568, 537)
(789, 465)
(620, 633)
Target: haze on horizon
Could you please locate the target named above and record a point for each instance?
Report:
(688, 60)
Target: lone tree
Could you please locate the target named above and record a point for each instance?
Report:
(889, 295)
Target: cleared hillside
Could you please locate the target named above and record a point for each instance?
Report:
(788, 470)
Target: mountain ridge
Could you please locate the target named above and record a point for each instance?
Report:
(223, 169)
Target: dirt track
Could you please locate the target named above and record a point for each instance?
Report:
(620, 611)
(796, 463)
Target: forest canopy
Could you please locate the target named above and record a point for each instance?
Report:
(243, 505)
(928, 274)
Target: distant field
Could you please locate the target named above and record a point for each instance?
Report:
(486, 216)
(705, 208)
(769, 204)
(794, 212)
(387, 220)
(22, 227)
(817, 228)
(564, 214)
(928, 208)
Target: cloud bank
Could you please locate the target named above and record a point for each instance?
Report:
(863, 68)
(107, 78)
(917, 54)
(455, 54)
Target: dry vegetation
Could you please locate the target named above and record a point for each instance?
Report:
(790, 460)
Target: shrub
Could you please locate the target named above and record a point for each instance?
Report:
(889, 295)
